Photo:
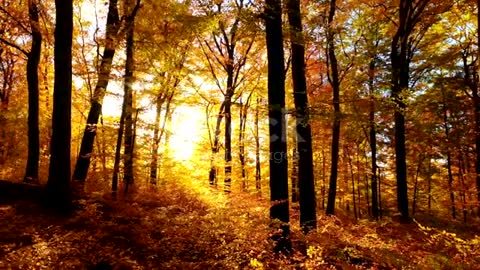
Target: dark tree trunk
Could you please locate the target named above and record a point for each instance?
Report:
(228, 144)
(461, 175)
(449, 154)
(415, 186)
(129, 80)
(279, 209)
(409, 16)
(116, 163)
(324, 178)
(373, 138)
(306, 181)
(216, 148)
(156, 138)
(294, 172)
(241, 139)
(380, 208)
(156, 142)
(258, 168)
(58, 185)
(86, 148)
(334, 80)
(33, 60)
(349, 158)
(228, 120)
(429, 180)
(476, 100)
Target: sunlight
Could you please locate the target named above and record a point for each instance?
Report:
(186, 131)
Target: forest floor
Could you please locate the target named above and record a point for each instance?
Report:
(180, 228)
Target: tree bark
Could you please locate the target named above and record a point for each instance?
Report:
(306, 181)
(129, 80)
(241, 139)
(216, 147)
(116, 163)
(477, 117)
(86, 148)
(449, 154)
(373, 138)
(33, 60)
(334, 81)
(58, 185)
(279, 209)
(258, 167)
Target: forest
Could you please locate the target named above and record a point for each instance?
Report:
(239, 134)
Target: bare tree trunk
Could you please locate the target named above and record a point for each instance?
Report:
(415, 185)
(112, 33)
(294, 172)
(241, 139)
(279, 209)
(216, 148)
(129, 80)
(158, 133)
(373, 138)
(58, 185)
(116, 163)
(324, 179)
(347, 153)
(449, 154)
(334, 80)
(258, 173)
(464, 187)
(476, 101)
(33, 60)
(83, 160)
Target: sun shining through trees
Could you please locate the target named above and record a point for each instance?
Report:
(240, 134)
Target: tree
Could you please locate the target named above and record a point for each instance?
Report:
(228, 52)
(334, 80)
(113, 27)
(277, 126)
(401, 54)
(58, 185)
(128, 95)
(33, 60)
(308, 206)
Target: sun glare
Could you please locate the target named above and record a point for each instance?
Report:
(186, 132)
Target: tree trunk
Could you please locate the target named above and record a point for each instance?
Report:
(216, 148)
(129, 80)
(380, 209)
(279, 209)
(476, 100)
(228, 127)
(306, 181)
(334, 80)
(116, 164)
(258, 168)
(33, 60)
(373, 138)
(86, 148)
(158, 133)
(415, 185)
(324, 178)
(241, 139)
(449, 154)
(349, 158)
(461, 172)
(294, 172)
(58, 185)
(429, 179)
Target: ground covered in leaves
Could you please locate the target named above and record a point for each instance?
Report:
(177, 228)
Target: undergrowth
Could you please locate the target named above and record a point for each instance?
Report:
(187, 226)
